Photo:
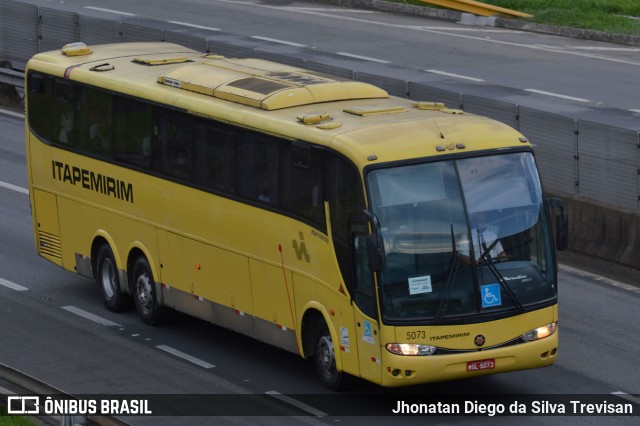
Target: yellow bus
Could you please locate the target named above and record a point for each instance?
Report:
(400, 242)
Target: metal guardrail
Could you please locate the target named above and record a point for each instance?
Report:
(12, 77)
(33, 386)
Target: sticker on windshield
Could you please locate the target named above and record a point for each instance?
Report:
(491, 295)
(418, 285)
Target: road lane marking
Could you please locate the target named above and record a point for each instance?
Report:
(117, 12)
(599, 278)
(14, 188)
(89, 316)
(365, 58)
(11, 113)
(202, 27)
(185, 356)
(275, 40)
(556, 95)
(635, 110)
(446, 32)
(449, 74)
(626, 396)
(298, 404)
(12, 286)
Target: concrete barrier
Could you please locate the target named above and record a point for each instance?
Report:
(603, 232)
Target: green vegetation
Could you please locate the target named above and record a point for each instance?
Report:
(6, 420)
(613, 16)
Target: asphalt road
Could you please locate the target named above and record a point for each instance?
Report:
(53, 327)
(585, 79)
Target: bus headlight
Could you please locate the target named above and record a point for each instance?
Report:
(540, 332)
(410, 349)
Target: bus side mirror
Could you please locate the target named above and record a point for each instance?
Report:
(562, 224)
(375, 251)
(375, 245)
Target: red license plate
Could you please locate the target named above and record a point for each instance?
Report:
(483, 364)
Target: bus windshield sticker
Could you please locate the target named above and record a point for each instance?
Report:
(490, 295)
(418, 285)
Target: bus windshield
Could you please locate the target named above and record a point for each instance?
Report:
(463, 237)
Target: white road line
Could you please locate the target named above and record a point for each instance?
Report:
(365, 58)
(635, 110)
(185, 356)
(11, 113)
(462, 29)
(605, 49)
(14, 188)
(202, 27)
(556, 95)
(6, 391)
(117, 12)
(599, 278)
(626, 396)
(275, 40)
(89, 316)
(12, 286)
(319, 9)
(560, 50)
(449, 74)
(301, 405)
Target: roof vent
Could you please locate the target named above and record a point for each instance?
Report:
(268, 89)
(367, 111)
(430, 106)
(76, 49)
(160, 60)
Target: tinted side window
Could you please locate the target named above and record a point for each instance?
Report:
(307, 195)
(63, 114)
(94, 121)
(260, 169)
(133, 131)
(217, 159)
(39, 95)
(346, 199)
(174, 146)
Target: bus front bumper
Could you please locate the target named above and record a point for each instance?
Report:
(399, 370)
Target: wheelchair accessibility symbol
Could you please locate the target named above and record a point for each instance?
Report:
(490, 295)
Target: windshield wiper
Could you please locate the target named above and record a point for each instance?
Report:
(486, 256)
(451, 278)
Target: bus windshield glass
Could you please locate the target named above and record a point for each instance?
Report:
(463, 237)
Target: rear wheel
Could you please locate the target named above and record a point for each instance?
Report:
(144, 293)
(325, 359)
(108, 281)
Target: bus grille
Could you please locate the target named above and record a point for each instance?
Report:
(50, 245)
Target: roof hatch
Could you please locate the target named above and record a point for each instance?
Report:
(258, 84)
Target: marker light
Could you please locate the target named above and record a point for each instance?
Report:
(410, 349)
(540, 332)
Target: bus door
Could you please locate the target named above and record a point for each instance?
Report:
(366, 308)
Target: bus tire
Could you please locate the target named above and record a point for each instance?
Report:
(324, 358)
(144, 293)
(108, 281)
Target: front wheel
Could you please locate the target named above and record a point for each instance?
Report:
(106, 276)
(325, 360)
(144, 293)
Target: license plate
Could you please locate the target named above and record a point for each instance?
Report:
(484, 364)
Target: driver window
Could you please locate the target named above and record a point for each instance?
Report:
(364, 288)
